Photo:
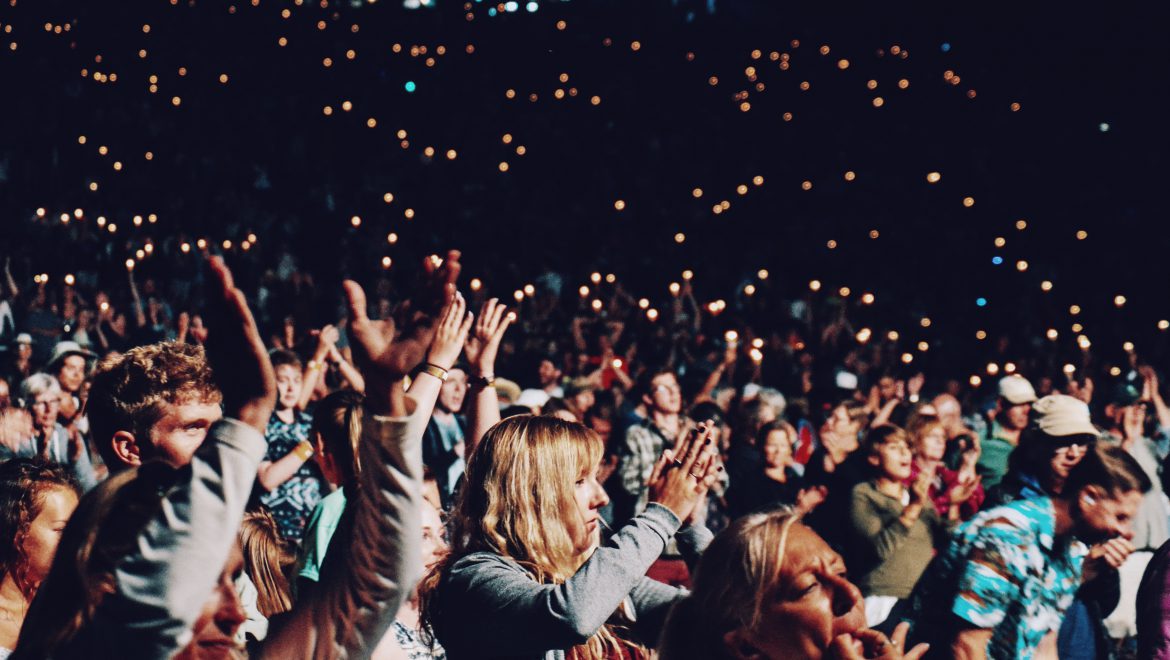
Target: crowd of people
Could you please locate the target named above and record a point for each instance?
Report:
(448, 476)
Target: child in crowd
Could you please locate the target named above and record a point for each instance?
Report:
(894, 529)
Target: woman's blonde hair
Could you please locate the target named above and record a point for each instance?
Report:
(266, 561)
(738, 573)
(517, 501)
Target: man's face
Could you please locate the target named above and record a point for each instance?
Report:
(45, 409)
(665, 394)
(71, 373)
(1016, 416)
(602, 427)
(1104, 516)
(24, 351)
(453, 391)
(548, 373)
(887, 388)
(181, 429)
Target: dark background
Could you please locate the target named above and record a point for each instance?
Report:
(660, 131)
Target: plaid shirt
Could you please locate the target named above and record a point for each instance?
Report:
(642, 449)
(1006, 571)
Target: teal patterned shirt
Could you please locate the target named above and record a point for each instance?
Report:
(1004, 570)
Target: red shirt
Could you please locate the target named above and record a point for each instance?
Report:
(944, 481)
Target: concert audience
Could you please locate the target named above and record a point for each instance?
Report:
(536, 542)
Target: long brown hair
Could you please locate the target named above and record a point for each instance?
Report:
(266, 561)
(517, 501)
(92, 545)
(24, 483)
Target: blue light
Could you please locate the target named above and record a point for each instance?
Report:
(946, 47)
(982, 302)
(492, 11)
(410, 86)
(997, 260)
(532, 7)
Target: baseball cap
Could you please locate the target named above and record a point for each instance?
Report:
(1016, 390)
(1060, 415)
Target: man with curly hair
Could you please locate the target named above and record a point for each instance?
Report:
(155, 401)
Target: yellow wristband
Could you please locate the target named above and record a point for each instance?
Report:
(436, 371)
(304, 450)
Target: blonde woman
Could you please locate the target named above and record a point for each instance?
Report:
(529, 576)
(770, 588)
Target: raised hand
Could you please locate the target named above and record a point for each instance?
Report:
(327, 338)
(483, 344)
(236, 353)
(450, 334)
(386, 350)
(681, 478)
(920, 489)
(16, 427)
(964, 489)
(808, 499)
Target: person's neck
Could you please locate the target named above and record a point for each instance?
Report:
(887, 485)
(11, 594)
(666, 421)
(442, 414)
(777, 473)
(1011, 435)
(1062, 514)
(408, 614)
(286, 415)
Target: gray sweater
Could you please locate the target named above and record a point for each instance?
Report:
(492, 608)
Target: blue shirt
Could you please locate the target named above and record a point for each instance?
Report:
(1005, 570)
(293, 501)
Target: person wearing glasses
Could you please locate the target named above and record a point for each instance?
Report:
(50, 440)
(662, 426)
(1051, 516)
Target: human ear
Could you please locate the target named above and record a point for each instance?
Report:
(739, 647)
(126, 448)
(1091, 495)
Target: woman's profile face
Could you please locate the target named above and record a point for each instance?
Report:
(811, 606)
(590, 497)
(44, 533)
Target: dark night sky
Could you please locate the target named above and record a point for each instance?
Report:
(660, 131)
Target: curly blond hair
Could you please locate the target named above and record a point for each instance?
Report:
(130, 391)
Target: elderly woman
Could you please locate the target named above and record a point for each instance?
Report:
(770, 588)
(42, 398)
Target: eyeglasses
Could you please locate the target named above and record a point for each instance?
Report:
(1083, 443)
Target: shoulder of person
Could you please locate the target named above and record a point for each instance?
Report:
(1015, 523)
(474, 568)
